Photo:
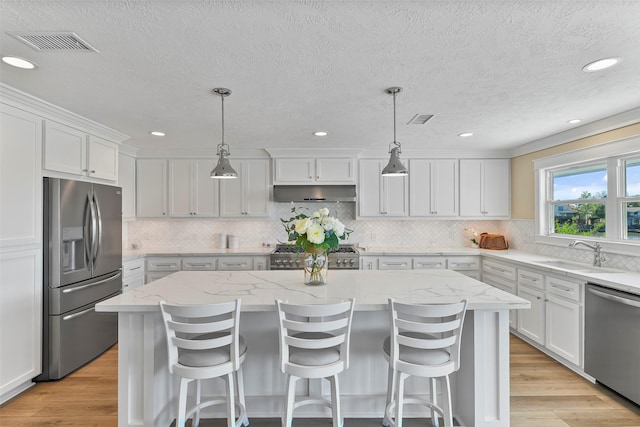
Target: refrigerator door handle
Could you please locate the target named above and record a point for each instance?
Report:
(98, 242)
(78, 288)
(88, 232)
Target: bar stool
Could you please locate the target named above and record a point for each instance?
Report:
(314, 343)
(203, 342)
(424, 342)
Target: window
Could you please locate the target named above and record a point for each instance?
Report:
(630, 200)
(592, 194)
(577, 200)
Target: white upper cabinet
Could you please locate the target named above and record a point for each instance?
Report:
(20, 181)
(485, 188)
(433, 187)
(310, 171)
(151, 191)
(381, 196)
(247, 195)
(72, 151)
(127, 180)
(191, 191)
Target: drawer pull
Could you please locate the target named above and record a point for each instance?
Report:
(533, 279)
(395, 263)
(134, 268)
(436, 264)
(463, 264)
(231, 264)
(562, 288)
(198, 265)
(497, 269)
(166, 265)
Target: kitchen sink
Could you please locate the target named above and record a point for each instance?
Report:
(573, 266)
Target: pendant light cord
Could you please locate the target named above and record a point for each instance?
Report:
(394, 118)
(222, 100)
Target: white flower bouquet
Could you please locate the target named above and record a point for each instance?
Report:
(316, 235)
(318, 232)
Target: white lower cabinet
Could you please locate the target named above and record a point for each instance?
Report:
(467, 265)
(563, 318)
(20, 320)
(531, 322)
(132, 274)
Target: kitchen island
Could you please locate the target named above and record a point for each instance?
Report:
(147, 393)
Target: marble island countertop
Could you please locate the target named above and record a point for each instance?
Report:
(259, 289)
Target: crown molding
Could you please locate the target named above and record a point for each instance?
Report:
(313, 152)
(46, 110)
(599, 126)
(204, 153)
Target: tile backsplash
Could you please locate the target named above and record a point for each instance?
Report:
(410, 233)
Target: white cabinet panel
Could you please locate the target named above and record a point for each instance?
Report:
(294, 171)
(433, 187)
(248, 195)
(319, 170)
(20, 320)
(73, 151)
(381, 196)
(151, 191)
(563, 332)
(531, 323)
(429, 263)
(485, 188)
(65, 149)
(235, 263)
(127, 180)
(20, 177)
(191, 190)
(335, 171)
(132, 274)
(102, 159)
(200, 263)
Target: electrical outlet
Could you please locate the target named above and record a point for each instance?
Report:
(373, 236)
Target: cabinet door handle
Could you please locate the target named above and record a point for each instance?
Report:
(85, 170)
(92, 171)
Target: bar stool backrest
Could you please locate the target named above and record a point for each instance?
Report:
(315, 327)
(426, 327)
(202, 328)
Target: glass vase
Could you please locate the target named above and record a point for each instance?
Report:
(316, 267)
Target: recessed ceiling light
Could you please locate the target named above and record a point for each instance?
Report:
(157, 133)
(600, 64)
(320, 133)
(18, 62)
(574, 121)
(465, 134)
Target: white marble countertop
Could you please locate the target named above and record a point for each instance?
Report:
(628, 281)
(259, 289)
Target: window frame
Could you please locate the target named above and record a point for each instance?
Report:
(614, 154)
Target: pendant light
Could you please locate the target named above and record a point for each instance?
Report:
(223, 169)
(395, 166)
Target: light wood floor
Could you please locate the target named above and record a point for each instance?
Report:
(543, 393)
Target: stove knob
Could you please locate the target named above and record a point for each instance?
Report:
(352, 261)
(338, 262)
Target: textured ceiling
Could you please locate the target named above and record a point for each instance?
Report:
(509, 71)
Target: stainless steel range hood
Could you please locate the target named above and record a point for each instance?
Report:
(314, 193)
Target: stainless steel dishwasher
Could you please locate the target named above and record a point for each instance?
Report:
(612, 339)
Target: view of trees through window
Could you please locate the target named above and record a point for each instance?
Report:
(631, 204)
(579, 197)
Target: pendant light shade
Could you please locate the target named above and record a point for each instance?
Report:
(223, 169)
(395, 167)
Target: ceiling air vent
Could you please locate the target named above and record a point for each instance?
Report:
(54, 41)
(420, 119)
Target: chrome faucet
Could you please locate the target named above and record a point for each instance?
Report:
(597, 256)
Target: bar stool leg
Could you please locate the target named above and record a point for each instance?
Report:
(391, 386)
(240, 386)
(335, 402)
(290, 400)
(231, 400)
(434, 400)
(400, 397)
(446, 405)
(182, 402)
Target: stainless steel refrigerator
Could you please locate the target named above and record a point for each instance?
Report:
(82, 266)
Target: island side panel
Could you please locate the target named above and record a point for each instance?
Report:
(481, 386)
